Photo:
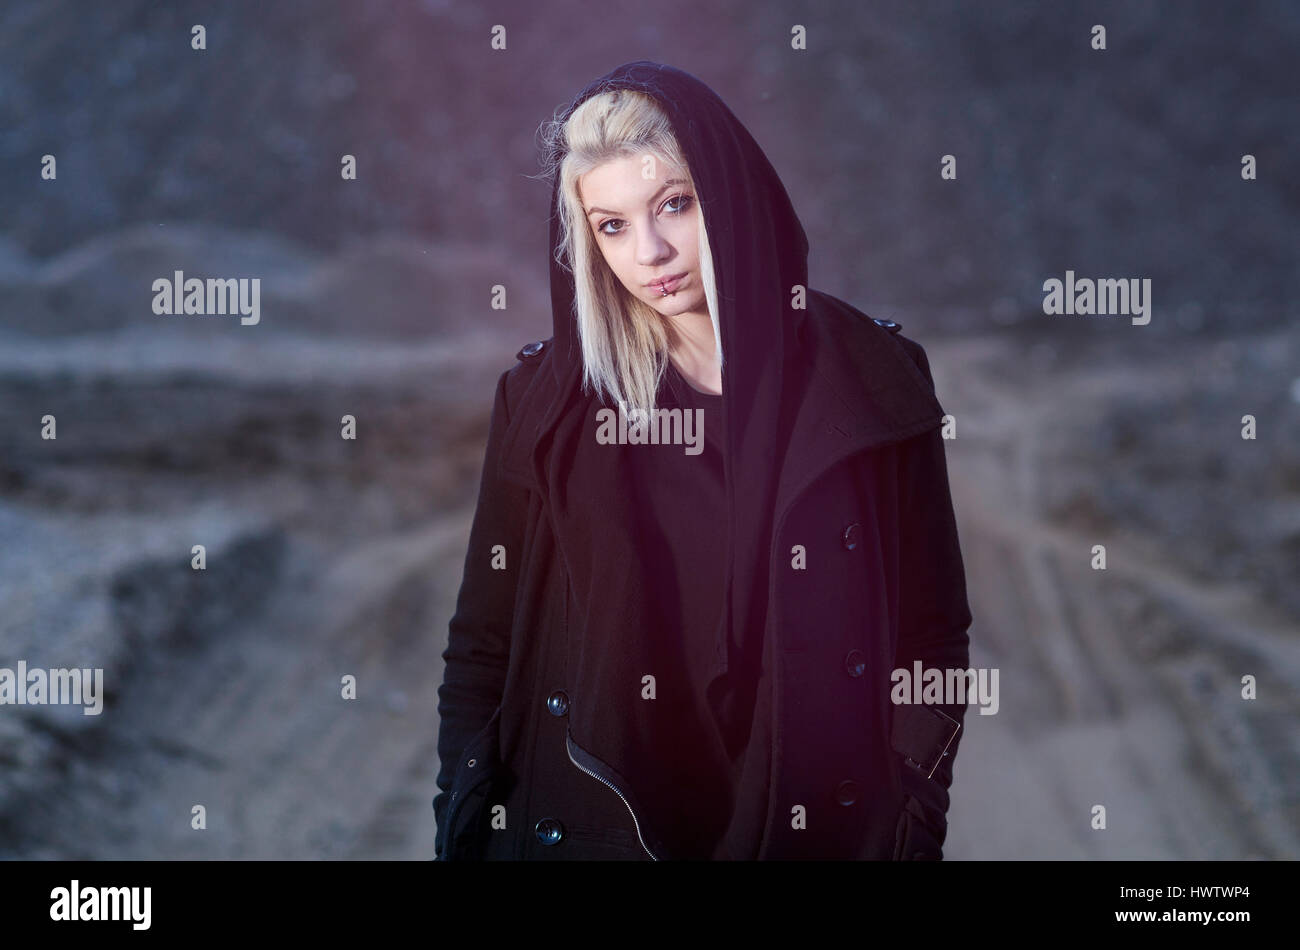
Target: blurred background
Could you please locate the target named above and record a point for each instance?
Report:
(329, 557)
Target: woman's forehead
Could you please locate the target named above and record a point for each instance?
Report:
(632, 175)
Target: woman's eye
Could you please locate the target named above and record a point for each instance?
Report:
(682, 203)
(684, 199)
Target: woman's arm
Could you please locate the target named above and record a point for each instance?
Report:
(934, 616)
(478, 642)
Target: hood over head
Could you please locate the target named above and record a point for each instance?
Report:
(751, 221)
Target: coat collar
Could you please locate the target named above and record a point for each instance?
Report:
(866, 392)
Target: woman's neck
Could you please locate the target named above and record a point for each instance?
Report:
(693, 351)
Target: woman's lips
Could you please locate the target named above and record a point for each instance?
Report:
(668, 286)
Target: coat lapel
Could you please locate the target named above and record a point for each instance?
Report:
(865, 392)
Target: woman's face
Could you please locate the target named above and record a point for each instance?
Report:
(647, 229)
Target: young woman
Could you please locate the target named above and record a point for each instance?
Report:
(713, 519)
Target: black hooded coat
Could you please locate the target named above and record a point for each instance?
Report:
(843, 564)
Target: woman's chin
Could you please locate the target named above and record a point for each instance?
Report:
(671, 306)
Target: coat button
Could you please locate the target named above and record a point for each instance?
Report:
(855, 663)
(549, 831)
(846, 793)
(532, 349)
(852, 535)
(558, 703)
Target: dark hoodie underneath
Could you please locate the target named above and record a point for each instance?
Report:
(707, 717)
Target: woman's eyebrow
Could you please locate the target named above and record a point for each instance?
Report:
(668, 184)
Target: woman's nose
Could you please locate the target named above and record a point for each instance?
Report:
(651, 247)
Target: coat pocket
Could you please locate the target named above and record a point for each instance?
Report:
(476, 777)
(913, 839)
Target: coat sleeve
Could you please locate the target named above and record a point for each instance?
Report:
(934, 616)
(478, 644)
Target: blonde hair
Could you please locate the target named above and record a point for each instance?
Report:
(624, 340)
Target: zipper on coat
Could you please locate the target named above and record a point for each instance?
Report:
(570, 746)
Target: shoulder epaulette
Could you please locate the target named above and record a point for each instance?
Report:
(531, 351)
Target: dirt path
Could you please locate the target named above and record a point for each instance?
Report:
(252, 725)
(1119, 687)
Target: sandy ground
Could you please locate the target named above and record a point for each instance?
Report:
(1118, 687)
